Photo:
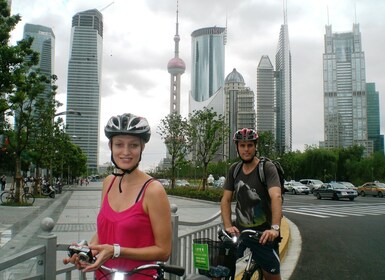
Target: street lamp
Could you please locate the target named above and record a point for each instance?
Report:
(69, 112)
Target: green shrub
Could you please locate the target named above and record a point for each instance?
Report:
(192, 192)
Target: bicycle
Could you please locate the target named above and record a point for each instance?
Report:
(252, 269)
(9, 196)
(160, 267)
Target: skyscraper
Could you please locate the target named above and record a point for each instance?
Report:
(208, 68)
(176, 68)
(345, 99)
(239, 108)
(84, 80)
(44, 44)
(266, 115)
(373, 100)
(283, 91)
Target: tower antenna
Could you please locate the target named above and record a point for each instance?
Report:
(102, 9)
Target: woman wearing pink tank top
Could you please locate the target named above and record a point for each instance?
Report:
(134, 221)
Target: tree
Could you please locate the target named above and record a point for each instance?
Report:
(206, 131)
(266, 144)
(21, 86)
(172, 130)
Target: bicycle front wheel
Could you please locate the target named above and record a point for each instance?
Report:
(6, 197)
(28, 198)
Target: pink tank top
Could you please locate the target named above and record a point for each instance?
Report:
(129, 228)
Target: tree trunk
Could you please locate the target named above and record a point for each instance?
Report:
(18, 179)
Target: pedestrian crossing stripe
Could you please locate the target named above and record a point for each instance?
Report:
(340, 211)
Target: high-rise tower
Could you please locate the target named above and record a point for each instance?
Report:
(44, 44)
(283, 90)
(373, 100)
(84, 81)
(345, 99)
(207, 68)
(239, 109)
(266, 117)
(176, 68)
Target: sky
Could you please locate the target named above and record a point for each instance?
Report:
(138, 43)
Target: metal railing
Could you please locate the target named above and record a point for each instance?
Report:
(42, 259)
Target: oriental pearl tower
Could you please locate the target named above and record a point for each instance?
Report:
(176, 68)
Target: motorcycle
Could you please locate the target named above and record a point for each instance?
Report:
(47, 190)
(58, 187)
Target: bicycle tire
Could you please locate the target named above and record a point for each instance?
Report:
(28, 198)
(5, 197)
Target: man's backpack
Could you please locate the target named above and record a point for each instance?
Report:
(261, 171)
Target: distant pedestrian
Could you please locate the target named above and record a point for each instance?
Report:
(3, 182)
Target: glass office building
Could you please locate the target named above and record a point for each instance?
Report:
(84, 81)
(373, 99)
(266, 117)
(283, 92)
(207, 67)
(44, 44)
(345, 98)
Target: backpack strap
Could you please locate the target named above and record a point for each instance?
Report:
(237, 168)
(261, 170)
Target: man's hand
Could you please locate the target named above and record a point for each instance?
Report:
(268, 235)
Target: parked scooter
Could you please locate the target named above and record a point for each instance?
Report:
(47, 189)
(58, 186)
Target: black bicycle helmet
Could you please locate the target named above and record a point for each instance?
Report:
(245, 134)
(128, 124)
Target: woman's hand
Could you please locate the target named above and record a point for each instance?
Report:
(104, 253)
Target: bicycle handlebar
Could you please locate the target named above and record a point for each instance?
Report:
(224, 236)
(159, 267)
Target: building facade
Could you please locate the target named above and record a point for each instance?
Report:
(84, 82)
(283, 89)
(344, 83)
(266, 107)
(239, 109)
(207, 68)
(373, 100)
(44, 44)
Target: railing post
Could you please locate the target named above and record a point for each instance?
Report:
(50, 240)
(174, 260)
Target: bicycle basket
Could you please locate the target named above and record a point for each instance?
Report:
(215, 253)
(26, 189)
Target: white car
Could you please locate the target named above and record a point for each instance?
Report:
(296, 187)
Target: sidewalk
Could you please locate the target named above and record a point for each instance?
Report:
(75, 211)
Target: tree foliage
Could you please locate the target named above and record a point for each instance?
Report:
(173, 130)
(206, 132)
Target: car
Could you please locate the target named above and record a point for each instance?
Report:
(164, 182)
(219, 183)
(313, 184)
(296, 187)
(349, 186)
(182, 183)
(335, 191)
(372, 188)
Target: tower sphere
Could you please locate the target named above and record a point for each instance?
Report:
(176, 66)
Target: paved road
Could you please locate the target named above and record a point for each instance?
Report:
(340, 239)
(74, 212)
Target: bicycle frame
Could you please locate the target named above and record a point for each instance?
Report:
(251, 265)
